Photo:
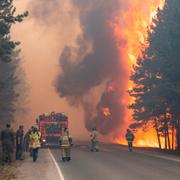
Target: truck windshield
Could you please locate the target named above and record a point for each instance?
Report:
(52, 128)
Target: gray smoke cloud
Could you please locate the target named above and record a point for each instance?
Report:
(94, 62)
(92, 75)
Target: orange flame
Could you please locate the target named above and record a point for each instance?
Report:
(133, 31)
(106, 111)
(143, 138)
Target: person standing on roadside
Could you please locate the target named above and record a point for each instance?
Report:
(65, 143)
(26, 141)
(30, 140)
(94, 140)
(130, 139)
(7, 139)
(19, 143)
(35, 138)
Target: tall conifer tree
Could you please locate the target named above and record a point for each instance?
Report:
(9, 60)
(157, 75)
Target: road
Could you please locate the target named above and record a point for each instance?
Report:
(116, 163)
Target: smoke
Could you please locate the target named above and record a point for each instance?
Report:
(91, 72)
(95, 62)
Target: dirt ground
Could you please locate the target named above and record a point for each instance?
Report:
(7, 172)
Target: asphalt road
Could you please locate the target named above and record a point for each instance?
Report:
(116, 163)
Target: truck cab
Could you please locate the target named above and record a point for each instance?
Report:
(51, 126)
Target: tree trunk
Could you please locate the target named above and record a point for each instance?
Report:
(168, 138)
(157, 133)
(166, 131)
(165, 139)
(172, 136)
(178, 135)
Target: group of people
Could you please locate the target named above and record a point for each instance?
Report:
(11, 140)
(94, 140)
(31, 142)
(66, 142)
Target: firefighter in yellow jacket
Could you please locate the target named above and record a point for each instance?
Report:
(35, 138)
(65, 143)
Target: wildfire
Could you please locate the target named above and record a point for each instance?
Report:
(133, 31)
(147, 138)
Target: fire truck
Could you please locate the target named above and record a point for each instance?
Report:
(51, 126)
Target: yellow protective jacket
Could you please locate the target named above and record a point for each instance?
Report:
(65, 140)
(35, 140)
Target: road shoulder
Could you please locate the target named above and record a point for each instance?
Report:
(43, 169)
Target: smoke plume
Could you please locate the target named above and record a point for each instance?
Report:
(95, 62)
(92, 74)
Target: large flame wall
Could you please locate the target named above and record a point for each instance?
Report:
(138, 17)
(97, 41)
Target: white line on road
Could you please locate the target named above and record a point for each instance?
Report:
(57, 166)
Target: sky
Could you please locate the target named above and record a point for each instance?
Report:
(41, 46)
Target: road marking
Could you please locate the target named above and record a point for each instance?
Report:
(57, 166)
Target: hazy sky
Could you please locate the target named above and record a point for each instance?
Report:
(41, 44)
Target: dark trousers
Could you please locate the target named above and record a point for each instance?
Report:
(19, 151)
(7, 150)
(30, 152)
(94, 145)
(66, 153)
(130, 145)
(35, 154)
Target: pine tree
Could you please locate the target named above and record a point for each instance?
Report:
(157, 75)
(7, 19)
(9, 60)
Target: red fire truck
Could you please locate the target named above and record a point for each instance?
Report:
(50, 126)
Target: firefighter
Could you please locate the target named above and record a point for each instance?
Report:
(30, 140)
(19, 143)
(94, 140)
(7, 139)
(26, 141)
(35, 137)
(130, 139)
(65, 144)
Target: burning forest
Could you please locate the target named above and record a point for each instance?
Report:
(88, 84)
(156, 79)
(97, 70)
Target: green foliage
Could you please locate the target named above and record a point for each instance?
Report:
(9, 61)
(7, 19)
